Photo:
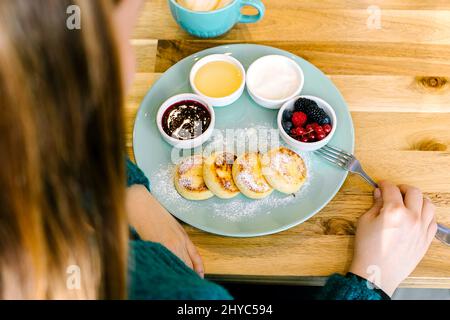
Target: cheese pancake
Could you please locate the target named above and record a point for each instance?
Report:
(284, 170)
(217, 173)
(247, 175)
(189, 180)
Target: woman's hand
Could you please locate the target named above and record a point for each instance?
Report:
(394, 235)
(153, 223)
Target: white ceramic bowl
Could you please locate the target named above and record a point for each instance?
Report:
(185, 144)
(306, 146)
(253, 73)
(223, 101)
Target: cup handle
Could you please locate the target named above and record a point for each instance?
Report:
(245, 18)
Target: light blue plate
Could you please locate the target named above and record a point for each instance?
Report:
(240, 217)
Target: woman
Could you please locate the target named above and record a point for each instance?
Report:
(62, 177)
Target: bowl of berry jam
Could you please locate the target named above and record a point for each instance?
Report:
(306, 123)
(185, 121)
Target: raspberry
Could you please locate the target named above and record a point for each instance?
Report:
(299, 119)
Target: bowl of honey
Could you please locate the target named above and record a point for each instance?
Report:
(218, 79)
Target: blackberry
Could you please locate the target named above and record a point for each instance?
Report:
(304, 105)
(312, 111)
(318, 115)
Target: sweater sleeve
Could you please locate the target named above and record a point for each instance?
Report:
(351, 287)
(157, 274)
(135, 175)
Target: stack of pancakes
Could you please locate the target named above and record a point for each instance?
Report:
(225, 175)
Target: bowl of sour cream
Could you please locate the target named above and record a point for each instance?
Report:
(274, 79)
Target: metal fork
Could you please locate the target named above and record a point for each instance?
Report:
(348, 162)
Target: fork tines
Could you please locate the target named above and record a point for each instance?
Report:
(336, 156)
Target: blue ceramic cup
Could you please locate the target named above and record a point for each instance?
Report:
(210, 24)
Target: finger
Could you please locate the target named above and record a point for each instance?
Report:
(391, 194)
(413, 198)
(428, 211)
(196, 259)
(432, 229)
(182, 229)
(377, 200)
(377, 204)
(194, 256)
(187, 258)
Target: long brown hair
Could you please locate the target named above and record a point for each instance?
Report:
(61, 153)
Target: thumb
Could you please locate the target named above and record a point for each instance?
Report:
(376, 207)
(377, 201)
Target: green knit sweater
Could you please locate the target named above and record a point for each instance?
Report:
(155, 273)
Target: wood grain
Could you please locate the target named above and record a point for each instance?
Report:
(396, 82)
(395, 93)
(291, 21)
(369, 93)
(145, 51)
(332, 57)
(297, 255)
(360, 4)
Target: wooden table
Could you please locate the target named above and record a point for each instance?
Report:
(396, 81)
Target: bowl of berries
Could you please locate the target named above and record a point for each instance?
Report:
(306, 123)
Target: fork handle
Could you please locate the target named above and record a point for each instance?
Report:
(443, 234)
(366, 177)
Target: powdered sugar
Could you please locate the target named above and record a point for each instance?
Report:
(235, 209)
(188, 163)
(279, 161)
(185, 182)
(227, 185)
(248, 180)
